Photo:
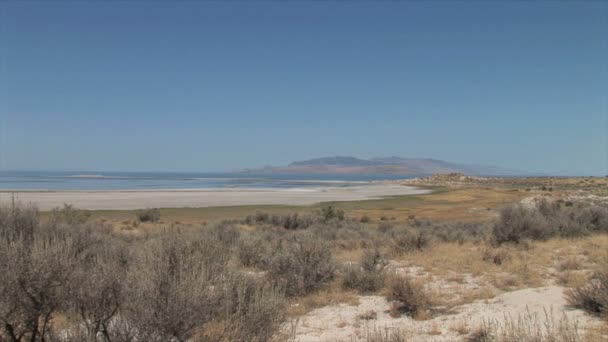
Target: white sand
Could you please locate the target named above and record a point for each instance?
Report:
(341, 322)
(195, 198)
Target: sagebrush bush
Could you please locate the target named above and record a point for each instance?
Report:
(148, 215)
(36, 263)
(255, 250)
(70, 215)
(253, 310)
(592, 297)
(330, 213)
(227, 234)
(173, 288)
(167, 285)
(547, 219)
(517, 223)
(301, 264)
(366, 276)
(408, 240)
(407, 296)
(289, 221)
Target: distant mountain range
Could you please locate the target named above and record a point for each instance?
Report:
(386, 165)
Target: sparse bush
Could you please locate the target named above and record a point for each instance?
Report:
(408, 240)
(70, 215)
(365, 219)
(226, 234)
(368, 275)
(251, 311)
(329, 213)
(96, 291)
(548, 219)
(173, 287)
(148, 215)
(255, 251)
(385, 227)
(301, 264)
(517, 223)
(593, 296)
(407, 297)
(35, 264)
(496, 255)
(290, 221)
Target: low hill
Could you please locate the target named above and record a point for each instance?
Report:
(384, 165)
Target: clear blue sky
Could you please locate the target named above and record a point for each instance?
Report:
(204, 86)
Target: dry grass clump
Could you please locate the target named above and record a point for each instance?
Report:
(386, 334)
(148, 215)
(408, 297)
(366, 276)
(528, 327)
(496, 255)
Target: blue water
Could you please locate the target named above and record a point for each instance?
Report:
(38, 180)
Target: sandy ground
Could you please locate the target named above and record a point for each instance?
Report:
(344, 323)
(196, 198)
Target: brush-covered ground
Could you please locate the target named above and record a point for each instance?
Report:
(476, 260)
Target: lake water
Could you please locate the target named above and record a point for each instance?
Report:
(38, 180)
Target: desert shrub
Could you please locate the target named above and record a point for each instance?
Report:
(148, 215)
(290, 221)
(296, 221)
(96, 293)
(496, 255)
(385, 227)
(547, 219)
(366, 276)
(459, 232)
(258, 217)
(407, 297)
(35, 263)
(365, 219)
(345, 235)
(70, 215)
(595, 217)
(226, 234)
(407, 240)
(18, 222)
(255, 251)
(517, 223)
(330, 213)
(167, 285)
(251, 310)
(173, 288)
(593, 296)
(301, 264)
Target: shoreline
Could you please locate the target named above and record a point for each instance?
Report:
(128, 199)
